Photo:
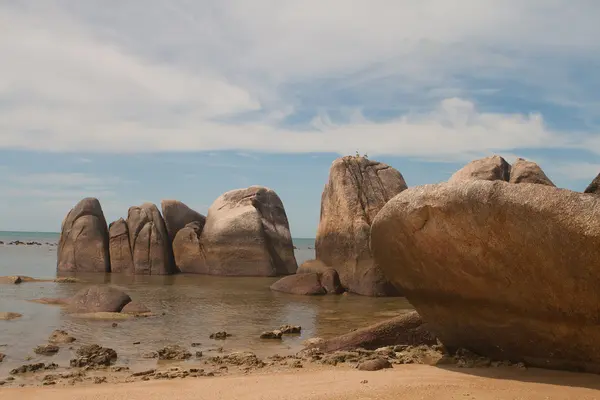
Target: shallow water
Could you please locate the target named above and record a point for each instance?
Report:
(193, 305)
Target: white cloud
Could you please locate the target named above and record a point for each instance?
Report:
(163, 76)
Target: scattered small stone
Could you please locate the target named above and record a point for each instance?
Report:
(120, 368)
(60, 337)
(374, 365)
(290, 329)
(173, 352)
(99, 379)
(27, 368)
(198, 354)
(9, 379)
(151, 354)
(195, 344)
(46, 350)
(48, 383)
(51, 366)
(247, 359)
(276, 334)
(144, 373)
(94, 356)
(114, 324)
(364, 381)
(137, 342)
(219, 335)
(66, 279)
(2, 383)
(297, 364)
(7, 316)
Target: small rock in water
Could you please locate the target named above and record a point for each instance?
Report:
(271, 335)
(290, 329)
(2, 356)
(173, 352)
(137, 342)
(7, 316)
(374, 365)
(198, 354)
(94, 356)
(219, 335)
(60, 337)
(114, 324)
(66, 279)
(196, 344)
(46, 350)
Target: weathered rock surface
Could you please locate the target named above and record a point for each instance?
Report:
(95, 299)
(60, 337)
(374, 365)
(523, 171)
(136, 308)
(150, 244)
(491, 168)
(594, 186)
(83, 243)
(507, 271)
(7, 316)
(173, 352)
(121, 259)
(94, 356)
(177, 215)
(408, 329)
(189, 256)
(247, 234)
(357, 189)
(46, 350)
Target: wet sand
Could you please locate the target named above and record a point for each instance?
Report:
(334, 383)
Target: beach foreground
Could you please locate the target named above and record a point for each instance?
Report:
(401, 382)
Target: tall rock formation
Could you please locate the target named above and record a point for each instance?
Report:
(150, 245)
(508, 271)
(246, 234)
(121, 259)
(83, 243)
(177, 215)
(357, 189)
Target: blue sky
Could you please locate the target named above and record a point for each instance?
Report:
(133, 101)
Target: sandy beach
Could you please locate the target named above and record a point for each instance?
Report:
(401, 382)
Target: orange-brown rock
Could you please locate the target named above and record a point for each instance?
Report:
(83, 243)
(187, 251)
(507, 271)
(357, 189)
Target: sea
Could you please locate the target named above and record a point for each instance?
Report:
(187, 308)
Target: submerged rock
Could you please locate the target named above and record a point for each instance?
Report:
(246, 234)
(276, 334)
(290, 329)
(23, 369)
(49, 301)
(407, 329)
(357, 189)
(219, 335)
(95, 299)
(83, 243)
(136, 308)
(485, 263)
(7, 316)
(61, 337)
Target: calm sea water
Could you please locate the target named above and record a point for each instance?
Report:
(193, 305)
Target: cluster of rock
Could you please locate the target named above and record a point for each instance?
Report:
(246, 233)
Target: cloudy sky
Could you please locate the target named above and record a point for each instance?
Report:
(140, 100)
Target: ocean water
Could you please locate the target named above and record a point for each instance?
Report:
(188, 308)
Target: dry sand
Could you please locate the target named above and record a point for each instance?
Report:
(401, 382)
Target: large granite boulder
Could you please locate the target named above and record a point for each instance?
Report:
(594, 186)
(187, 251)
(177, 215)
(151, 249)
(357, 189)
(83, 243)
(121, 259)
(523, 171)
(246, 234)
(493, 168)
(506, 271)
(95, 299)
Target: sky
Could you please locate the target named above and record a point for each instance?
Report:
(141, 100)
